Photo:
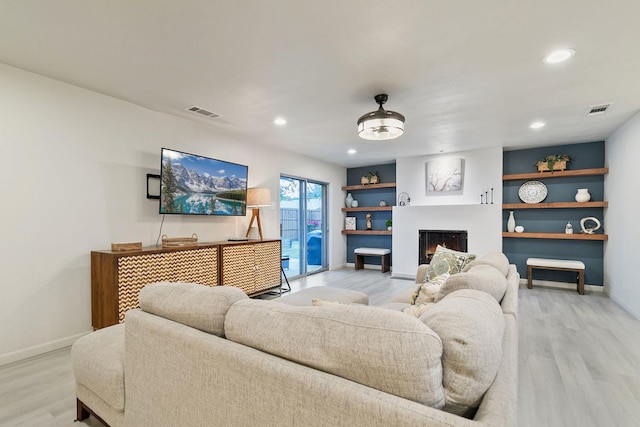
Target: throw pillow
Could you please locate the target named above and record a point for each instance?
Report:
(417, 310)
(481, 277)
(495, 259)
(427, 291)
(471, 326)
(447, 261)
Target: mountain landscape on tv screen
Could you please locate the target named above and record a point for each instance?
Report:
(192, 182)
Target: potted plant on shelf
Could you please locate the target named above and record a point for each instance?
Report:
(388, 224)
(553, 162)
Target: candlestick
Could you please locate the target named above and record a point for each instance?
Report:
(481, 199)
(491, 195)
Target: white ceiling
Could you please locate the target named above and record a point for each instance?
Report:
(466, 74)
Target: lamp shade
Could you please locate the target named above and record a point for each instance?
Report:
(258, 197)
(381, 124)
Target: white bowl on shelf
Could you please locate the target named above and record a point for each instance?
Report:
(519, 229)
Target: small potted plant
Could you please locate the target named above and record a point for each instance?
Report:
(389, 224)
(373, 178)
(553, 162)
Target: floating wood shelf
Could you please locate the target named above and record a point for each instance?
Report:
(367, 208)
(556, 174)
(555, 205)
(576, 236)
(370, 232)
(369, 186)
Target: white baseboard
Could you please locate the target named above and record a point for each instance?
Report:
(37, 350)
(562, 285)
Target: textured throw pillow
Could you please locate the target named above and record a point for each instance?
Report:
(417, 310)
(481, 277)
(380, 348)
(470, 324)
(427, 291)
(447, 261)
(495, 259)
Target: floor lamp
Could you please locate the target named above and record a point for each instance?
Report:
(257, 197)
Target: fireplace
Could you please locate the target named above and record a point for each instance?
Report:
(430, 239)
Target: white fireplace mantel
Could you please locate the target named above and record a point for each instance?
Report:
(483, 223)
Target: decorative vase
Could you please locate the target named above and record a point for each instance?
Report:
(354, 204)
(348, 201)
(511, 223)
(519, 229)
(583, 195)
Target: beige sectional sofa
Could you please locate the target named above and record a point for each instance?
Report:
(199, 356)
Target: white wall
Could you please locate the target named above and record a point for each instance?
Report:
(483, 169)
(74, 180)
(622, 251)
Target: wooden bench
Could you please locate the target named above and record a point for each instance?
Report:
(360, 253)
(556, 264)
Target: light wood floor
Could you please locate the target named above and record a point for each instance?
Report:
(579, 361)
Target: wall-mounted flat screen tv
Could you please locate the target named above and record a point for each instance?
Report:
(198, 185)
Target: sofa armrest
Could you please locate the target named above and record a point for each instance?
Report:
(421, 275)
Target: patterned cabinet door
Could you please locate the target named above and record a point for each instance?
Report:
(268, 258)
(137, 271)
(238, 267)
(196, 266)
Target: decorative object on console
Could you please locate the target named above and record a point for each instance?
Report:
(404, 199)
(568, 229)
(590, 230)
(381, 125)
(444, 175)
(519, 229)
(511, 223)
(257, 197)
(583, 195)
(553, 162)
(368, 216)
(179, 242)
(348, 200)
(532, 192)
(350, 223)
(132, 246)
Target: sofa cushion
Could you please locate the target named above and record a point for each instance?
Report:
(383, 349)
(471, 326)
(497, 260)
(201, 307)
(97, 360)
(481, 277)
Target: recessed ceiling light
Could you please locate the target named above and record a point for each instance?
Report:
(559, 56)
(280, 121)
(352, 151)
(536, 125)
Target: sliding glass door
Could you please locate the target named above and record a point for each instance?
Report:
(303, 225)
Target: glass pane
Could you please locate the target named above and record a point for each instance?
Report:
(290, 222)
(315, 226)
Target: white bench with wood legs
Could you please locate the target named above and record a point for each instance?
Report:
(556, 264)
(360, 253)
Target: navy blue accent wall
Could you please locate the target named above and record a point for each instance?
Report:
(585, 156)
(372, 197)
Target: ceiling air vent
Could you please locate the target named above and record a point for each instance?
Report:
(203, 112)
(597, 109)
